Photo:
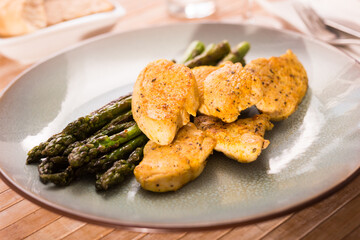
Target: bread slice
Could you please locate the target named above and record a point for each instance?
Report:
(18, 17)
(62, 10)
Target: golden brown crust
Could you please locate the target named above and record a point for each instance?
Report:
(284, 81)
(167, 168)
(242, 140)
(228, 91)
(164, 87)
(164, 95)
(200, 74)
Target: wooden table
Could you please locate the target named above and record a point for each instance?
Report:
(336, 217)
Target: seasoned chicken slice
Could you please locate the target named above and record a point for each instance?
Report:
(284, 81)
(200, 74)
(242, 140)
(168, 168)
(164, 96)
(228, 91)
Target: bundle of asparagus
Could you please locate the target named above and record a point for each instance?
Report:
(91, 145)
(214, 54)
(108, 143)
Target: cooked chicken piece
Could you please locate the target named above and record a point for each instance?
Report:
(200, 74)
(228, 91)
(242, 140)
(168, 168)
(164, 95)
(19, 17)
(284, 81)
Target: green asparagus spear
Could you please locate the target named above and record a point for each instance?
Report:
(136, 156)
(237, 54)
(105, 162)
(45, 167)
(58, 144)
(116, 125)
(85, 126)
(117, 173)
(35, 154)
(194, 49)
(91, 149)
(79, 129)
(53, 165)
(112, 129)
(211, 56)
(71, 147)
(243, 62)
(61, 179)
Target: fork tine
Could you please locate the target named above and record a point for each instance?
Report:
(312, 21)
(314, 14)
(317, 28)
(301, 11)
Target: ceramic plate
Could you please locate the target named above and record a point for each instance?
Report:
(311, 153)
(29, 48)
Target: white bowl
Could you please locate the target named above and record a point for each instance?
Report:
(31, 47)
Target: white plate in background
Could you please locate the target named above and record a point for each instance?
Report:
(41, 43)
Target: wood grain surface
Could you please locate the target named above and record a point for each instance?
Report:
(336, 217)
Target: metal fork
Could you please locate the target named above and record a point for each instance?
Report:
(317, 27)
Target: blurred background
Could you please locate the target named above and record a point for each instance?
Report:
(50, 25)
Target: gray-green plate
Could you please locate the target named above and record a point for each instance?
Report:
(311, 153)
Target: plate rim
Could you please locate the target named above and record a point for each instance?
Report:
(155, 228)
(161, 227)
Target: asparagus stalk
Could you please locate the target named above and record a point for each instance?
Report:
(61, 179)
(53, 165)
(237, 54)
(105, 162)
(58, 144)
(116, 125)
(243, 62)
(113, 129)
(102, 144)
(35, 154)
(117, 173)
(79, 129)
(194, 49)
(71, 147)
(211, 56)
(85, 126)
